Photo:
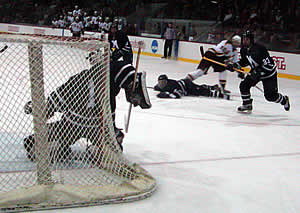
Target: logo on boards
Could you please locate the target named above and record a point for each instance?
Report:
(154, 46)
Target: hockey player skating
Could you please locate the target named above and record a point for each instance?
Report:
(263, 69)
(79, 101)
(120, 45)
(170, 88)
(224, 52)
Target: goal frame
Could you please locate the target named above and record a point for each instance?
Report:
(47, 193)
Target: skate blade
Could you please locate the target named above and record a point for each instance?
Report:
(227, 97)
(247, 112)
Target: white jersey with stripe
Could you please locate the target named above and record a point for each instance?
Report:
(76, 26)
(225, 48)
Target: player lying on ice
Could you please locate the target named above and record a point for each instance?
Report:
(80, 102)
(170, 88)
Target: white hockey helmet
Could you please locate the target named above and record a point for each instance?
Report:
(236, 40)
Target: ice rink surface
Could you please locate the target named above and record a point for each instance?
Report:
(208, 158)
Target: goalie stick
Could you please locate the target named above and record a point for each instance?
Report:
(127, 118)
(224, 65)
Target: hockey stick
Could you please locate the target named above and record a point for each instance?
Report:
(127, 118)
(224, 65)
(3, 49)
(219, 63)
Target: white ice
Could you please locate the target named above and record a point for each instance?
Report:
(208, 158)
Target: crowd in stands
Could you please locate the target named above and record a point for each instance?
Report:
(272, 20)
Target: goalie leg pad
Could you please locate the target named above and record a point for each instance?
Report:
(140, 94)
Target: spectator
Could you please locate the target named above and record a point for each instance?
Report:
(77, 28)
(61, 23)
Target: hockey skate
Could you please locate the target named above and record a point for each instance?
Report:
(226, 95)
(138, 97)
(217, 93)
(245, 109)
(287, 104)
(214, 87)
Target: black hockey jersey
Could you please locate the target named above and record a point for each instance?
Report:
(183, 87)
(173, 88)
(258, 58)
(79, 99)
(119, 42)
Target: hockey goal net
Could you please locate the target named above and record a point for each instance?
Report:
(60, 160)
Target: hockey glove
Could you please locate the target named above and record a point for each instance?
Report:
(116, 55)
(241, 75)
(28, 108)
(230, 67)
(166, 95)
(177, 93)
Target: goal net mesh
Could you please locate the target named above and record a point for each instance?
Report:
(58, 145)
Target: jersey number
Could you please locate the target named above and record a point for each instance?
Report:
(266, 61)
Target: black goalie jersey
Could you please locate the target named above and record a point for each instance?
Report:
(79, 99)
(120, 45)
(258, 58)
